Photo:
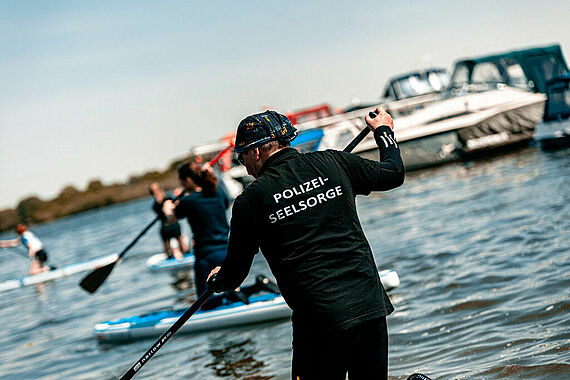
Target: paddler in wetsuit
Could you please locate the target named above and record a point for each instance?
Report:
(35, 248)
(301, 212)
(205, 208)
(169, 229)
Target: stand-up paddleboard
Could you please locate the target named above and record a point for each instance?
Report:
(54, 274)
(161, 262)
(261, 308)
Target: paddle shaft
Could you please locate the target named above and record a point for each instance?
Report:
(360, 136)
(138, 237)
(167, 335)
(204, 297)
(220, 154)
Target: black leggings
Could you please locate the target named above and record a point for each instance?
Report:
(362, 351)
(41, 256)
(170, 231)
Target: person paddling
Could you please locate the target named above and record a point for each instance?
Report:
(169, 229)
(301, 212)
(205, 208)
(36, 250)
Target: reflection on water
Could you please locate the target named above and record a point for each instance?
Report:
(236, 361)
(482, 251)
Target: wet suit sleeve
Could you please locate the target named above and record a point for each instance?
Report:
(242, 247)
(367, 175)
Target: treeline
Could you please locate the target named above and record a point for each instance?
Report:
(70, 200)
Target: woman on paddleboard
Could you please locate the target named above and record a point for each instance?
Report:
(169, 229)
(301, 212)
(206, 210)
(35, 247)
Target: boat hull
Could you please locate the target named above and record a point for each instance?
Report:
(465, 131)
(424, 152)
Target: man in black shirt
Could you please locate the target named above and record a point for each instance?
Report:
(301, 212)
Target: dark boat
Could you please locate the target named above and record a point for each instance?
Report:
(554, 132)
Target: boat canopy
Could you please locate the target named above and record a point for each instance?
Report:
(529, 69)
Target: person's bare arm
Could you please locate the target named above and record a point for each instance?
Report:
(10, 243)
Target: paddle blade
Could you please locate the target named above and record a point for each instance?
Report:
(95, 279)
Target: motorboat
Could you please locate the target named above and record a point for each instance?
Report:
(460, 127)
(492, 103)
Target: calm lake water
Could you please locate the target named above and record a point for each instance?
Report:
(482, 249)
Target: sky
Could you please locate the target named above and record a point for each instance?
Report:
(106, 89)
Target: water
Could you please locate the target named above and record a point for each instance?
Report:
(482, 251)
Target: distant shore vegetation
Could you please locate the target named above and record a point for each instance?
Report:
(33, 210)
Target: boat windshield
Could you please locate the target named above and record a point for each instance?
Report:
(420, 84)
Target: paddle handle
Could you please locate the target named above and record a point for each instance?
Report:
(167, 335)
(360, 136)
(220, 154)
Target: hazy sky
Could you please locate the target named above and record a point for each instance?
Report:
(105, 89)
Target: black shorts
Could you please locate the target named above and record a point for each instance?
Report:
(360, 351)
(41, 256)
(170, 231)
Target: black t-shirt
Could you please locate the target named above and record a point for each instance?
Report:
(207, 218)
(301, 212)
(157, 208)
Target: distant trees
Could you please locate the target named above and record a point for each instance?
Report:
(153, 176)
(71, 200)
(27, 208)
(95, 185)
(68, 192)
(8, 219)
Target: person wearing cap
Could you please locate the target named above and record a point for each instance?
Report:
(35, 247)
(169, 229)
(301, 212)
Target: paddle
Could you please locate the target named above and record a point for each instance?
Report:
(21, 253)
(204, 297)
(360, 136)
(96, 278)
(167, 335)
